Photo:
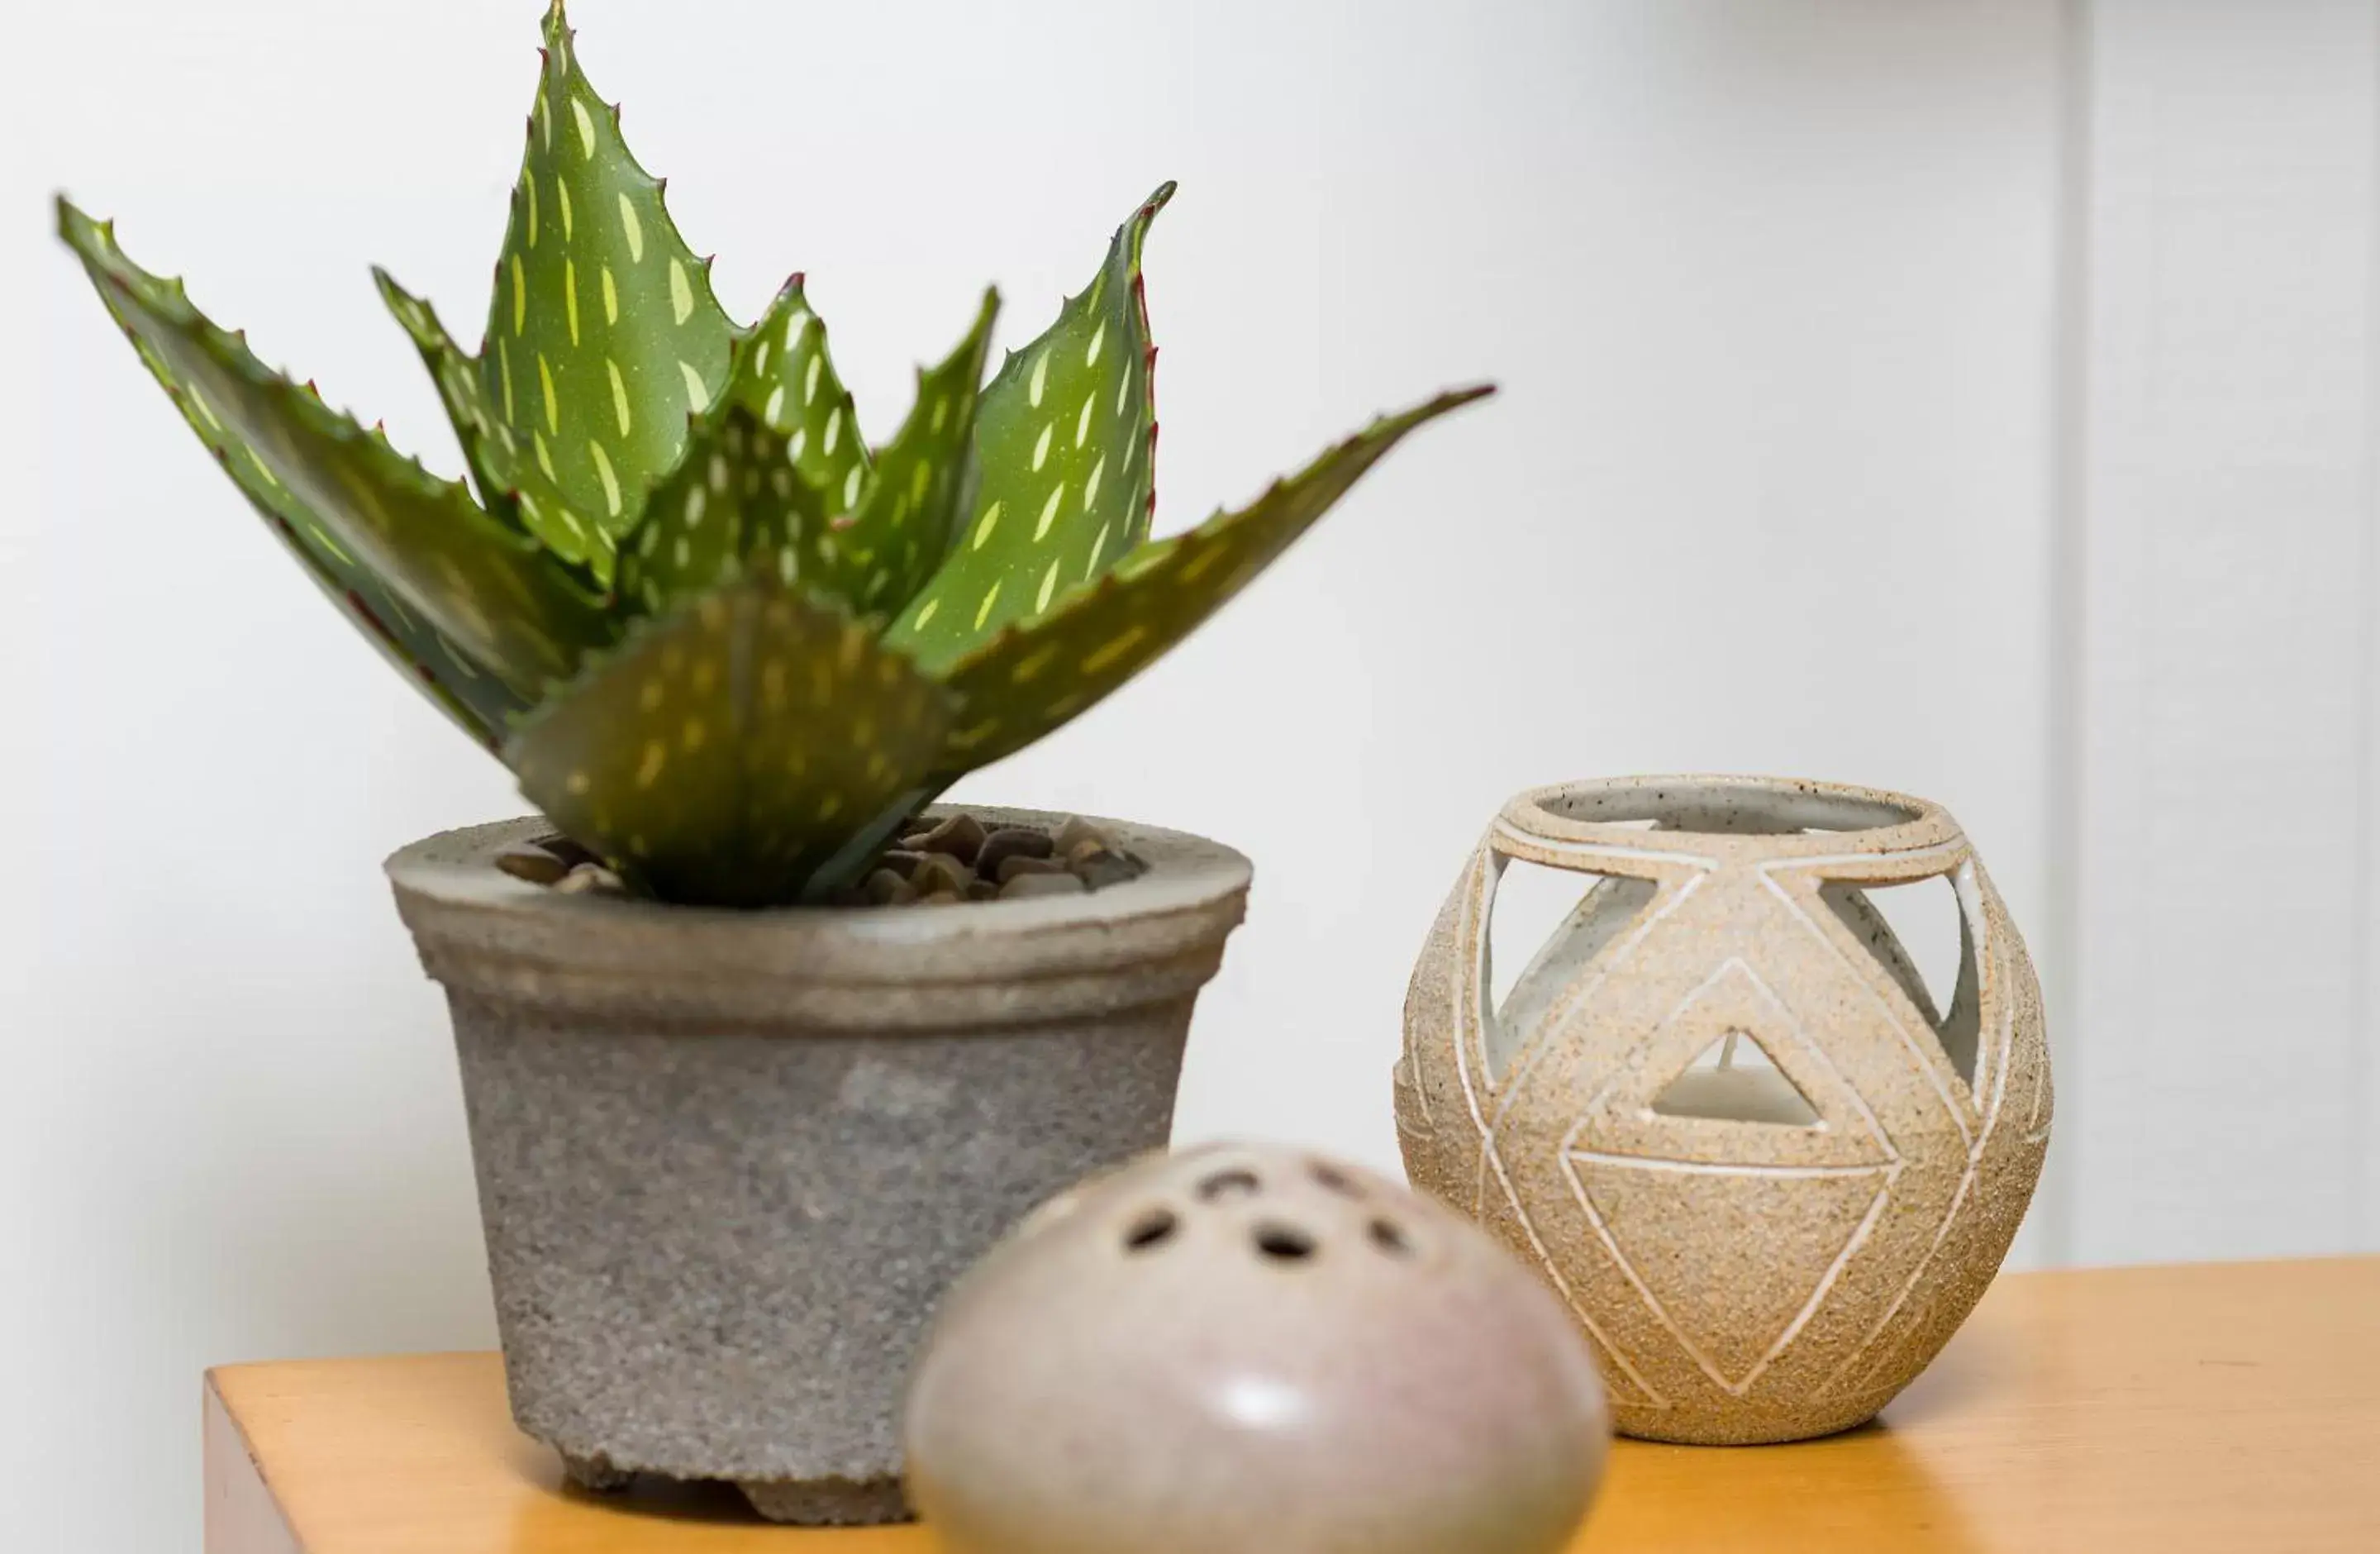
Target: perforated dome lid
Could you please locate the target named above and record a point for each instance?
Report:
(1245, 1347)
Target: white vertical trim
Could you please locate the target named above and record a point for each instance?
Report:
(2051, 1225)
(2365, 1038)
(2217, 1021)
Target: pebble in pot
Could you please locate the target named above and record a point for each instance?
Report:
(1245, 1347)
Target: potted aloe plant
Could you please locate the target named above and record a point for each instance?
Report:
(739, 1116)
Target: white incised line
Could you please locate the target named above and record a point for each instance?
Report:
(1568, 1151)
(1710, 1167)
(1591, 976)
(1471, 1013)
(1791, 1024)
(1923, 1060)
(1818, 1292)
(1513, 833)
(1471, 927)
(1973, 1138)
(1966, 1181)
(1584, 985)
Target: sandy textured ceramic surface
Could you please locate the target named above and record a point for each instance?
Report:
(1770, 1250)
(1243, 1348)
(729, 1163)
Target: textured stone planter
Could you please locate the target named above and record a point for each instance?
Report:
(1758, 1251)
(728, 1163)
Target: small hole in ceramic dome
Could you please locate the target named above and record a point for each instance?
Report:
(1151, 1231)
(1389, 1237)
(1332, 1179)
(1284, 1243)
(1237, 1182)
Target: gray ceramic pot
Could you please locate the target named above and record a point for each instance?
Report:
(729, 1163)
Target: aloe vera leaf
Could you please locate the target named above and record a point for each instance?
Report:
(722, 755)
(1066, 449)
(372, 518)
(1030, 679)
(783, 372)
(734, 499)
(478, 703)
(603, 335)
(882, 553)
(454, 683)
(509, 482)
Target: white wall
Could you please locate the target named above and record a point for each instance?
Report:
(2223, 1035)
(1973, 398)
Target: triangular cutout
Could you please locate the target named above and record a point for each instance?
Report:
(1544, 926)
(1735, 1080)
(1921, 933)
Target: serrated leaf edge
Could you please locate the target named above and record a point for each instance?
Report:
(966, 738)
(96, 245)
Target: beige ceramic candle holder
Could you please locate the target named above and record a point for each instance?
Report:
(1720, 1112)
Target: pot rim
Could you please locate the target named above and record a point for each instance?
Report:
(1758, 815)
(484, 932)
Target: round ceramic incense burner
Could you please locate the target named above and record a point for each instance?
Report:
(1248, 1348)
(1721, 1111)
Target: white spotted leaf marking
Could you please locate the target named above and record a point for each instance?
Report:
(733, 788)
(1084, 641)
(784, 374)
(1038, 441)
(719, 508)
(615, 312)
(904, 519)
(479, 614)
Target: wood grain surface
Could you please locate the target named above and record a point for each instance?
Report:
(2213, 1407)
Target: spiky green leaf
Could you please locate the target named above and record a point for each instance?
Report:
(603, 336)
(734, 499)
(722, 755)
(358, 511)
(783, 372)
(474, 698)
(1029, 680)
(509, 480)
(883, 552)
(1066, 445)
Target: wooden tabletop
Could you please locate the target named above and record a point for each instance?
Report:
(2217, 1407)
